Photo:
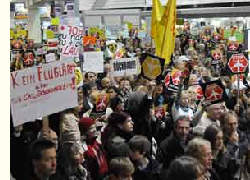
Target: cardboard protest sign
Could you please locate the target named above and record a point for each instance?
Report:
(70, 40)
(214, 91)
(151, 66)
(93, 62)
(41, 51)
(52, 44)
(89, 40)
(50, 57)
(125, 66)
(39, 91)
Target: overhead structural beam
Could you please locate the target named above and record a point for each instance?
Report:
(210, 12)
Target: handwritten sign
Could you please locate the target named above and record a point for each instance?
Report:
(93, 62)
(39, 91)
(41, 51)
(125, 66)
(70, 39)
(50, 57)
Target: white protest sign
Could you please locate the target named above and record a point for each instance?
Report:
(40, 51)
(125, 66)
(50, 57)
(39, 91)
(70, 40)
(93, 62)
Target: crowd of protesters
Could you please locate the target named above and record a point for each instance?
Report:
(125, 137)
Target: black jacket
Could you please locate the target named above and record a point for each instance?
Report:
(151, 172)
(170, 149)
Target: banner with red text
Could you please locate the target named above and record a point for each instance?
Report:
(39, 91)
(70, 40)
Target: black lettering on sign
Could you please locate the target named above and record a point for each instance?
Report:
(121, 66)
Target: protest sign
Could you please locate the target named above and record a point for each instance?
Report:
(214, 91)
(93, 62)
(151, 66)
(39, 91)
(125, 67)
(70, 40)
(41, 51)
(50, 57)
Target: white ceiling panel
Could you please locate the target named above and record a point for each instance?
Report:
(192, 2)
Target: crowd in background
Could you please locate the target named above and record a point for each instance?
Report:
(145, 129)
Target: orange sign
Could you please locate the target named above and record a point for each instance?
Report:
(89, 40)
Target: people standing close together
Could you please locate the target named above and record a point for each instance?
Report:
(142, 129)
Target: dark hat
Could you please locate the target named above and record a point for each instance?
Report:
(85, 123)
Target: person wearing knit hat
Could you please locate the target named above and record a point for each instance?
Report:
(95, 157)
(87, 127)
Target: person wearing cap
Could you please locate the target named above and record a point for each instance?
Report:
(94, 154)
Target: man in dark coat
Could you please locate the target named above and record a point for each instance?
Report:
(174, 145)
(43, 159)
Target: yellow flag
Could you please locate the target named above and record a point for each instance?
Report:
(168, 20)
(157, 12)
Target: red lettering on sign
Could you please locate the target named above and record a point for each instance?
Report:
(39, 72)
(13, 78)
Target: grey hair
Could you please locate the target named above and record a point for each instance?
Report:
(195, 149)
(121, 165)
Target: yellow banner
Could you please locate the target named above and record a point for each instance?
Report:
(169, 21)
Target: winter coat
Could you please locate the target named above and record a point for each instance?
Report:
(96, 160)
(170, 149)
(151, 172)
(139, 105)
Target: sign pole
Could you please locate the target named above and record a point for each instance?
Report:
(45, 123)
(238, 82)
(238, 88)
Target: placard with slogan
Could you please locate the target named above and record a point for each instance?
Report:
(39, 91)
(70, 40)
(214, 91)
(237, 63)
(50, 57)
(93, 62)
(151, 66)
(125, 67)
